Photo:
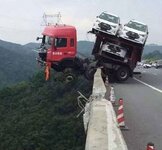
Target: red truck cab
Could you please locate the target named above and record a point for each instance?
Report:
(59, 46)
(59, 42)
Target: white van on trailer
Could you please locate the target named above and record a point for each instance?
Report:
(107, 23)
(135, 31)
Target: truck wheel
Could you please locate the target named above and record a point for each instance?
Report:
(69, 74)
(122, 74)
(69, 78)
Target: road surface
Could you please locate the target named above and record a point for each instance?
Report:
(143, 108)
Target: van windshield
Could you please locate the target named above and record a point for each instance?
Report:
(109, 18)
(137, 26)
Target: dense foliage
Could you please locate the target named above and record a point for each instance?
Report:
(40, 115)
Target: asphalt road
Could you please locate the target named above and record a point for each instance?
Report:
(143, 108)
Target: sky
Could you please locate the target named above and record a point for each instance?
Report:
(21, 20)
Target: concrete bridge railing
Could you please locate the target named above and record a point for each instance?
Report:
(103, 132)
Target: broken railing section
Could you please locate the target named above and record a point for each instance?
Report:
(101, 126)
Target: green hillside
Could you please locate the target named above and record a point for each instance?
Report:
(155, 55)
(39, 115)
(151, 48)
(85, 47)
(17, 63)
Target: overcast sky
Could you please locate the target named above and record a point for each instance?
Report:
(20, 20)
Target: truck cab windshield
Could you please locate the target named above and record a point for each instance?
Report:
(47, 40)
(46, 43)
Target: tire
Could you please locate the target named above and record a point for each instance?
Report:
(69, 75)
(69, 78)
(122, 74)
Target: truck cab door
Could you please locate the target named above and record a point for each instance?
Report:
(62, 49)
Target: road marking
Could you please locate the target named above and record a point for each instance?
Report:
(152, 87)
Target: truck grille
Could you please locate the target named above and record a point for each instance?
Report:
(132, 35)
(104, 26)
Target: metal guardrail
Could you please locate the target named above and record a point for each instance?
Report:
(103, 132)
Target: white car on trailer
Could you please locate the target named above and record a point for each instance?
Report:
(107, 23)
(135, 31)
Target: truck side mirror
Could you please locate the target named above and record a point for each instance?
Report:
(38, 38)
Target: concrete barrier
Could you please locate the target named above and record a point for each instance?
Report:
(99, 88)
(103, 132)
